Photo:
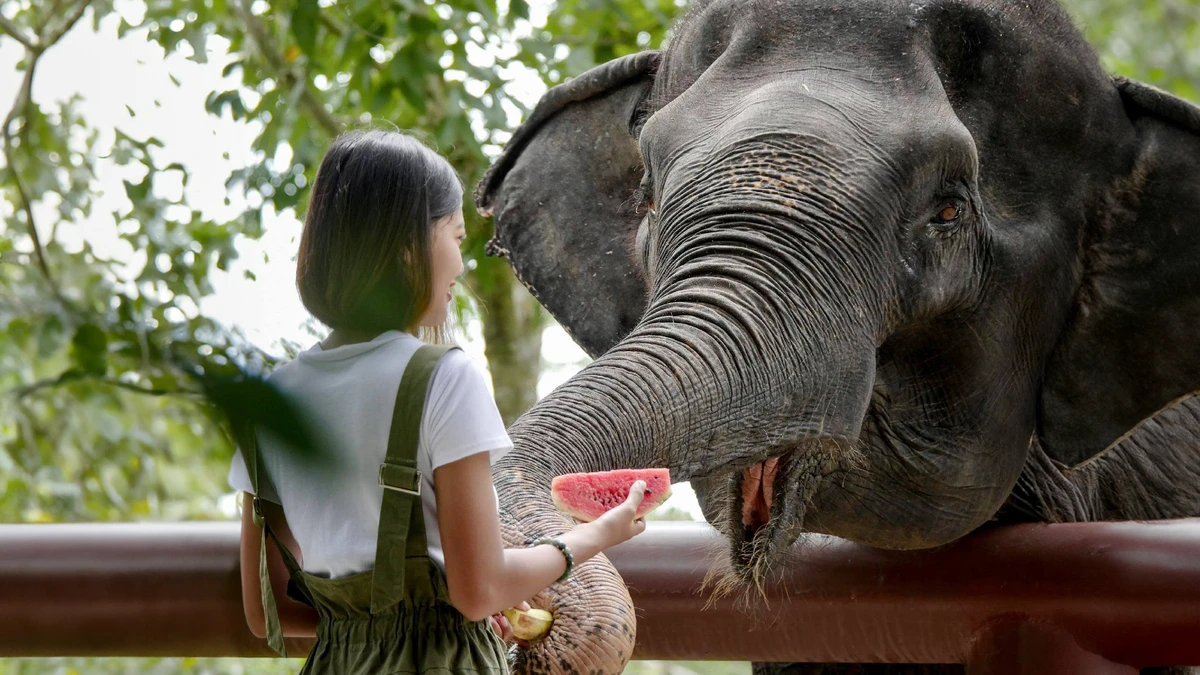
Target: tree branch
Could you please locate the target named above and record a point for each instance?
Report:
(75, 376)
(22, 105)
(23, 102)
(48, 41)
(17, 33)
(281, 71)
(333, 26)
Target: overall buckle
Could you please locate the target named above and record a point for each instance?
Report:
(417, 482)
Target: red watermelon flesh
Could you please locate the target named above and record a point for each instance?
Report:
(587, 496)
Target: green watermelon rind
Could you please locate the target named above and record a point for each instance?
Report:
(584, 484)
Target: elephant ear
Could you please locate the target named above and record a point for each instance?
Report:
(1130, 346)
(1146, 100)
(561, 194)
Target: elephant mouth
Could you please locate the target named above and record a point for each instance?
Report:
(757, 491)
(760, 527)
(768, 503)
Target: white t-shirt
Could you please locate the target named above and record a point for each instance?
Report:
(348, 393)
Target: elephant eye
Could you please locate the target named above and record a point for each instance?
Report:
(949, 214)
(645, 195)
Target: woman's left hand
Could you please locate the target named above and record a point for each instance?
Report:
(501, 627)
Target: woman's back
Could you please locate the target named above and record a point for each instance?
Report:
(347, 393)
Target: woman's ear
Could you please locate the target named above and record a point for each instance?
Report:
(561, 194)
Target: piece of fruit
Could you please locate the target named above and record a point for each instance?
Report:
(587, 496)
(529, 625)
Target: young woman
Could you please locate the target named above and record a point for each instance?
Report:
(392, 557)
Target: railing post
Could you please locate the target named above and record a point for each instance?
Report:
(1021, 647)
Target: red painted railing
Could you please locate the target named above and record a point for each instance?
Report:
(1091, 598)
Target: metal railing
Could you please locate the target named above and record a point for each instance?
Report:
(1090, 598)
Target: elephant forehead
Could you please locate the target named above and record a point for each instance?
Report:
(729, 77)
(832, 130)
(758, 33)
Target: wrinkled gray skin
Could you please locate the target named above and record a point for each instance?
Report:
(749, 230)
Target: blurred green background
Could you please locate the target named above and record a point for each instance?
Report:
(156, 153)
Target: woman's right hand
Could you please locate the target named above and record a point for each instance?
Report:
(620, 523)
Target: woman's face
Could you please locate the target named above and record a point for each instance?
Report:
(445, 265)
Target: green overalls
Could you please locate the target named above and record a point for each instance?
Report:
(397, 617)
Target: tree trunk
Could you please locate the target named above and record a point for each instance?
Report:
(512, 331)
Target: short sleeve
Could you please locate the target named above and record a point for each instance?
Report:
(239, 479)
(460, 418)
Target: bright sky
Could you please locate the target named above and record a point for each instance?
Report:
(115, 78)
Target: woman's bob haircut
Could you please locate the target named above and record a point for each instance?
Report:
(364, 259)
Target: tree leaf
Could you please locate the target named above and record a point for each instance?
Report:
(304, 26)
(50, 337)
(137, 192)
(89, 349)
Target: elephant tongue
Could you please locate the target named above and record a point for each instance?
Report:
(757, 484)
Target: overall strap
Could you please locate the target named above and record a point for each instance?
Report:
(401, 517)
(247, 441)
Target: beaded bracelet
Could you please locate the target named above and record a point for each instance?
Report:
(557, 543)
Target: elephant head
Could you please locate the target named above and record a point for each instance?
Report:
(837, 264)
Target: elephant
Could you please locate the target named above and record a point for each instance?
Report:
(888, 270)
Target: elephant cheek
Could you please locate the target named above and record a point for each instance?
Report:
(875, 509)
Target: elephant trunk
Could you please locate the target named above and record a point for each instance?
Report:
(594, 620)
(687, 390)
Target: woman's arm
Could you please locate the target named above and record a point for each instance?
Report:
(485, 578)
(297, 620)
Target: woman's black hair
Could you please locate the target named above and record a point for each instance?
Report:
(364, 259)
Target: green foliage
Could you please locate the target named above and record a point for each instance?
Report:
(669, 513)
(101, 417)
(97, 419)
(580, 34)
(1157, 41)
(687, 668)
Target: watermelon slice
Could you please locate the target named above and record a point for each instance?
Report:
(587, 496)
